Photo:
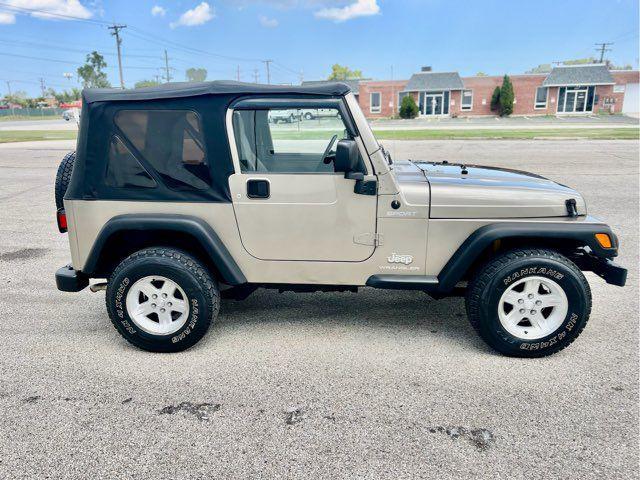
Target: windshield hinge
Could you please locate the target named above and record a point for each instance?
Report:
(374, 239)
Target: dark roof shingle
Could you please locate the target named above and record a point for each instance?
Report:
(579, 75)
(434, 81)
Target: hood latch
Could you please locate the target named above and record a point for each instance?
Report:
(572, 208)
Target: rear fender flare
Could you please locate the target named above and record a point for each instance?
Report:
(189, 225)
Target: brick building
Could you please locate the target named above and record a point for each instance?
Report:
(573, 90)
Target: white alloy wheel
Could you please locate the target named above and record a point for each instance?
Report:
(533, 308)
(157, 305)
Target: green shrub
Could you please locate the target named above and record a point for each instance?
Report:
(506, 97)
(495, 100)
(408, 107)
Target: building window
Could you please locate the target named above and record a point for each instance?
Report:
(401, 95)
(541, 97)
(375, 105)
(467, 100)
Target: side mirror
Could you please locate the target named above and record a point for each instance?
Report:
(347, 157)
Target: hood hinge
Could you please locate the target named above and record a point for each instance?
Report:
(374, 239)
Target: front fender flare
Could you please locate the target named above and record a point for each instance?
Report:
(478, 241)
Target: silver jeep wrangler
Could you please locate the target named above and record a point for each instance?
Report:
(184, 194)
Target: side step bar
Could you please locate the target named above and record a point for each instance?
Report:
(404, 282)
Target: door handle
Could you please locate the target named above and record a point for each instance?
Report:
(258, 188)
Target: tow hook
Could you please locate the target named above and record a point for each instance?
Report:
(96, 287)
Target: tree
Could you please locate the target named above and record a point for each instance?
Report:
(506, 97)
(146, 83)
(92, 72)
(542, 68)
(408, 107)
(196, 74)
(339, 72)
(495, 100)
(17, 98)
(65, 96)
(481, 74)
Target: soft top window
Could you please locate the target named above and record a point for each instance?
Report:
(123, 169)
(171, 142)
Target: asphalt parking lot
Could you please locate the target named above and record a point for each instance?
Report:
(381, 384)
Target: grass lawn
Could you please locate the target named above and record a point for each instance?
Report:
(12, 118)
(524, 134)
(7, 136)
(479, 133)
(564, 133)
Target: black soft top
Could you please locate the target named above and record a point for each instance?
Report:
(220, 87)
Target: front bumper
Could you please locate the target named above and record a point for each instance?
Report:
(70, 280)
(605, 268)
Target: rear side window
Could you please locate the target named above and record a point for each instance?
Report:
(124, 170)
(171, 141)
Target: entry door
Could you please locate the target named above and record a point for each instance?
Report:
(434, 105)
(289, 202)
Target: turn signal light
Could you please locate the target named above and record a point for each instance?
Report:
(604, 240)
(61, 217)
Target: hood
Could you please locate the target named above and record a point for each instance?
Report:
(471, 191)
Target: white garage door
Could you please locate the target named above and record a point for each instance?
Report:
(631, 99)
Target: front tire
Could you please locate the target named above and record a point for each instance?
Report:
(162, 300)
(529, 302)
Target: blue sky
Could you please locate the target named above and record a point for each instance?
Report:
(307, 36)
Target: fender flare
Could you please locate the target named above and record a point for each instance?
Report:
(478, 241)
(187, 224)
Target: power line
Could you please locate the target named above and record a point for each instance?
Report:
(603, 48)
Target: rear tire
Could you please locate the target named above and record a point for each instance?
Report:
(140, 293)
(63, 176)
(529, 302)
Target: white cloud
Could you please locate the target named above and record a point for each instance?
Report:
(361, 8)
(46, 9)
(196, 16)
(7, 18)
(268, 22)
(158, 11)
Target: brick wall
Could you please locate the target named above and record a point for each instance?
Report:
(524, 87)
(389, 94)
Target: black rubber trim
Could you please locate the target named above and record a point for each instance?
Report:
(581, 233)
(403, 282)
(194, 226)
(70, 280)
(605, 268)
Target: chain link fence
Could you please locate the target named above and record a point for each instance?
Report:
(35, 113)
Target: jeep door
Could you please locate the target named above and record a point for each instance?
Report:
(289, 202)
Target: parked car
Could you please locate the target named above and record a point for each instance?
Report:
(284, 116)
(313, 113)
(183, 196)
(71, 114)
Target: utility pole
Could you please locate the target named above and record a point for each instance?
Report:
(9, 88)
(267, 64)
(255, 75)
(166, 66)
(301, 77)
(393, 94)
(42, 87)
(603, 48)
(116, 33)
(238, 73)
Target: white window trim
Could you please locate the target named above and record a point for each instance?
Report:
(535, 100)
(464, 108)
(378, 109)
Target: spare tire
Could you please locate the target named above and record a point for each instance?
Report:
(63, 177)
